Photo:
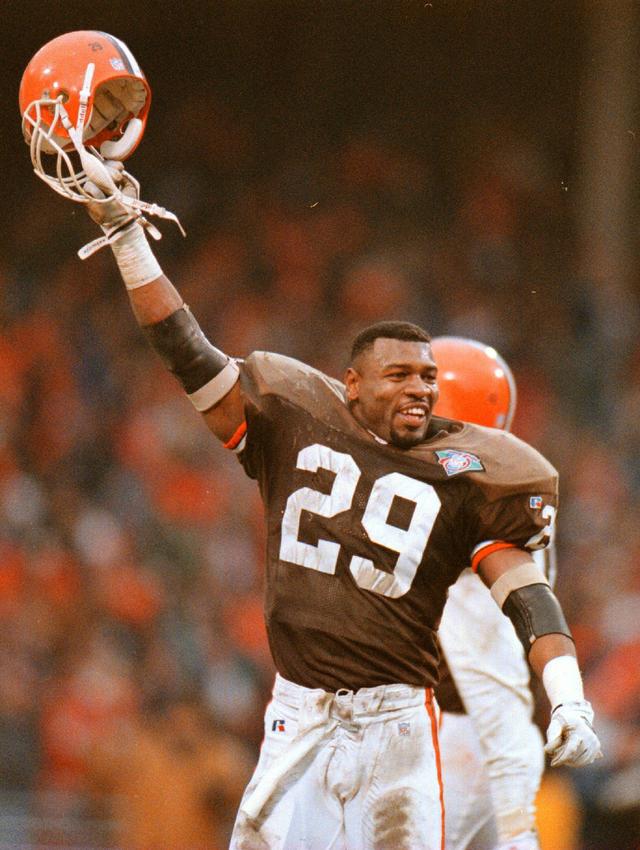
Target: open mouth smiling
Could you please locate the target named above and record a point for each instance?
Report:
(413, 415)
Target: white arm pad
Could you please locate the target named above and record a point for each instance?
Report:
(215, 389)
(520, 576)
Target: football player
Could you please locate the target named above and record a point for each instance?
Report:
(373, 507)
(492, 752)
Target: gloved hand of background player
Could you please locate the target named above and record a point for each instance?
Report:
(571, 740)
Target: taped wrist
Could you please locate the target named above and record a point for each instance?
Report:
(562, 681)
(534, 612)
(205, 373)
(138, 266)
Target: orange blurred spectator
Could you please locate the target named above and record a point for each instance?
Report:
(173, 781)
(559, 816)
(83, 707)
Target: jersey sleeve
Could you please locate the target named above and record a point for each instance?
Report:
(257, 425)
(521, 513)
(270, 385)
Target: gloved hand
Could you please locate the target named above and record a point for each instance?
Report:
(571, 740)
(524, 841)
(117, 203)
(108, 184)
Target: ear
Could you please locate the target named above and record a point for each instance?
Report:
(352, 383)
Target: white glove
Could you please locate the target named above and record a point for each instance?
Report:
(524, 841)
(115, 192)
(571, 740)
(117, 202)
(116, 209)
(108, 210)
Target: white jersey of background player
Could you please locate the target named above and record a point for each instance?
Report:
(492, 755)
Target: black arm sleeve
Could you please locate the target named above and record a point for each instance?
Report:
(534, 612)
(185, 350)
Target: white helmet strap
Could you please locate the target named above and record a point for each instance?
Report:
(85, 94)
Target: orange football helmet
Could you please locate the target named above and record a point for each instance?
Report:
(82, 89)
(476, 385)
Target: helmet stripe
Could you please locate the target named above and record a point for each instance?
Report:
(124, 50)
(125, 54)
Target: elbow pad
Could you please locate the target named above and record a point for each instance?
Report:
(205, 373)
(534, 612)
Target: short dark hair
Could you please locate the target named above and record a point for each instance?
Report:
(387, 330)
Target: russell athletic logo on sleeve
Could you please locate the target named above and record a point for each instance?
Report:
(455, 462)
(278, 726)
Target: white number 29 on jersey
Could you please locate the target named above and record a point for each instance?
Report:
(409, 543)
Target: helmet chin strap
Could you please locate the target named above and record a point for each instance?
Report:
(94, 170)
(85, 94)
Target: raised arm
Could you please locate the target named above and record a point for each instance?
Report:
(208, 376)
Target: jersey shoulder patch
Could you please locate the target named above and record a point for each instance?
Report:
(500, 462)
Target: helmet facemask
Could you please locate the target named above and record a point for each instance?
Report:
(84, 103)
(49, 130)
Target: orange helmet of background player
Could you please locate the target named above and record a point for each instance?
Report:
(476, 385)
(95, 67)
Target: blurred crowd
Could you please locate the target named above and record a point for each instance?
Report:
(134, 667)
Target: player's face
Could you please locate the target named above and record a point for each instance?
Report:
(392, 389)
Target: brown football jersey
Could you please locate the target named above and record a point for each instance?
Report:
(446, 692)
(364, 538)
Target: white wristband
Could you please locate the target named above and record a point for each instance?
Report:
(135, 259)
(562, 680)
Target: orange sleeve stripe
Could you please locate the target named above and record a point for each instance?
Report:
(488, 550)
(238, 434)
(428, 704)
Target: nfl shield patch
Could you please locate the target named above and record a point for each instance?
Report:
(455, 462)
(404, 729)
(535, 502)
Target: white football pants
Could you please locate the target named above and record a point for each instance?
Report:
(492, 760)
(345, 771)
